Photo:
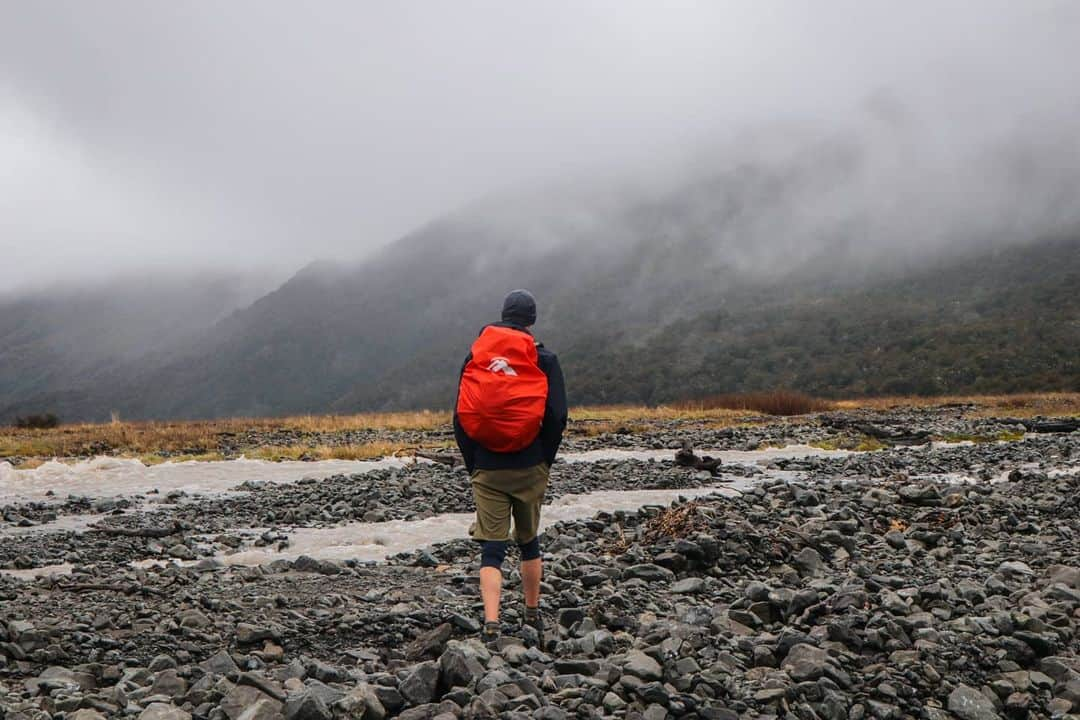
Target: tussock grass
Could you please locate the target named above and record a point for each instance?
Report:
(1004, 436)
(863, 443)
(777, 402)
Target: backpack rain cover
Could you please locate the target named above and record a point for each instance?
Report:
(503, 391)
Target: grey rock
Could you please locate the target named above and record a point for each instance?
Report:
(262, 684)
(362, 703)
(808, 562)
(169, 684)
(421, 685)
(220, 663)
(457, 669)
(648, 572)
(324, 671)
(567, 617)
(161, 662)
(248, 634)
(194, 619)
(805, 662)
(327, 694)
(162, 711)
(968, 703)
(642, 666)
(655, 712)
(60, 677)
(306, 706)
(245, 702)
(1064, 575)
(1015, 568)
(430, 644)
(86, 714)
(688, 586)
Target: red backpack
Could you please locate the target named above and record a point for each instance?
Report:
(503, 391)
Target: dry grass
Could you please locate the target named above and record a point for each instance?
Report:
(605, 427)
(637, 419)
(31, 463)
(199, 439)
(777, 402)
(675, 522)
(363, 451)
(1020, 405)
(202, 440)
(640, 413)
(1004, 436)
(862, 443)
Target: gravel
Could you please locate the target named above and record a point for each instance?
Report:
(868, 588)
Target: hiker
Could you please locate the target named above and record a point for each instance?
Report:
(509, 422)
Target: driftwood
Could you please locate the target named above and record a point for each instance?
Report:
(1054, 425)
(148, 532)
(445, 458)
(686, 458)
(125, 589)
(892, 436)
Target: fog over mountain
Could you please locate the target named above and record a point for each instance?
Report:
(248, 209)
(196, 137)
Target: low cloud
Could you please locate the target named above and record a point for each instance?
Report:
(251, 134)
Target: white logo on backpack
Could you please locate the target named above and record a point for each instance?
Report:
(501, 364)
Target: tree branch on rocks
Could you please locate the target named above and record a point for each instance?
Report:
(130, 589)
(444, 458)
(686, 458)
(144, 532)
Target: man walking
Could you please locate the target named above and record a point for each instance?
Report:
(509, 422)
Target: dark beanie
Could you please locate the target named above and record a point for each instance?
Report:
(519, 307)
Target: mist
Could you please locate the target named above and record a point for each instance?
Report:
(250, 137)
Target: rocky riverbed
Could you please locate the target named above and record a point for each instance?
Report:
(920, 580)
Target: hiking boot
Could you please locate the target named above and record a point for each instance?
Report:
(533, 628)
(490, 636)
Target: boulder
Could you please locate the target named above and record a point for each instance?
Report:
(421, 685)
(968, 703)
(642, 666)
(805, 662)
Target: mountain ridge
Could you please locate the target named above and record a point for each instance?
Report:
(747, 278)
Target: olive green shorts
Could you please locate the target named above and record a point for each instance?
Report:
(500, 494)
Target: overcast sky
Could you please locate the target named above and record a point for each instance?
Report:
(146, 134)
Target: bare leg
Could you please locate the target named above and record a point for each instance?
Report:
(531, 572)
(490, 590)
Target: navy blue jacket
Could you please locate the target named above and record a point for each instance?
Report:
(546, 445)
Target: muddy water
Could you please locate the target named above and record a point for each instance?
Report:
(377, 541)
(108, 477)
(730, 457)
